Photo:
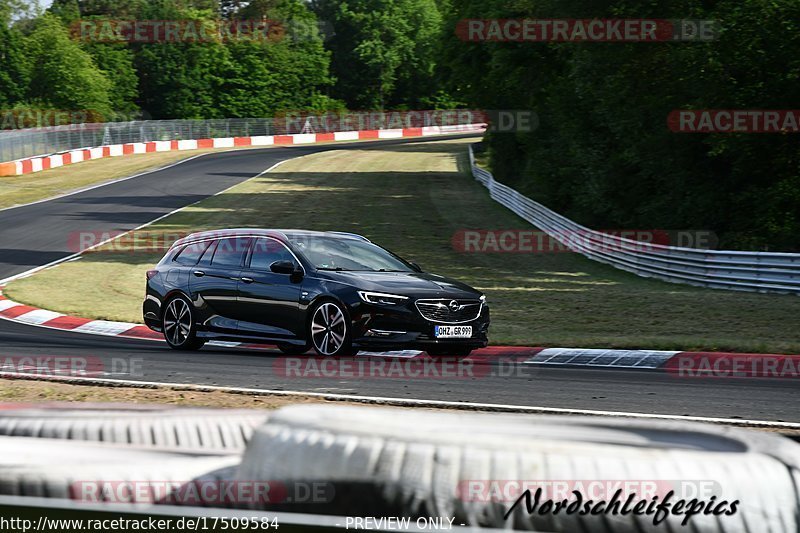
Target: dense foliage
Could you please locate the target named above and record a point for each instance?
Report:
(47, 63)
(602, 153)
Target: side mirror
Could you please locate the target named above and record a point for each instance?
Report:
(415, 266)
(282, 267)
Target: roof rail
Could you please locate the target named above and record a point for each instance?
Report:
(355, 235)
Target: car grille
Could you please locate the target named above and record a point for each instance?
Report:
(440, 311)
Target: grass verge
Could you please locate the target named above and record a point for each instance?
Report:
(34, 391)
(412, 199)
(20, 190)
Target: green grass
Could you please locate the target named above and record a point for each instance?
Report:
(19, 190)
(412, 199)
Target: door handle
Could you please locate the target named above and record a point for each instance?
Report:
(248, 280)
(199, 273)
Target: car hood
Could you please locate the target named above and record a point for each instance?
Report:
(415, 284)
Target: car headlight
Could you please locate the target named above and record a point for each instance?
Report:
(382, 298)
(483, 298)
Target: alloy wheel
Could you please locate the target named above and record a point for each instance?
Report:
(177, 322)
(328, 329)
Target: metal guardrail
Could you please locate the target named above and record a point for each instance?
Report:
(22, 143)
(718, 269)
(18, 144)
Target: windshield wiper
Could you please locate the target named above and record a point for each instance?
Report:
(333, 269)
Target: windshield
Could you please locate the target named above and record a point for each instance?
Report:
(331, 253)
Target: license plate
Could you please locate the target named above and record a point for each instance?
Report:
(453, 332)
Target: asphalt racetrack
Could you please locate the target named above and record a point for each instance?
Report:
(38, 234)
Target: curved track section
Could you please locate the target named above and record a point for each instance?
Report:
(637, 391)
(38, 234)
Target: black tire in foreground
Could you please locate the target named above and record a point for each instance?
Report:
(84, 471)
(156, 426)
(473, 467)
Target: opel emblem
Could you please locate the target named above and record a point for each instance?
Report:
(454, 306)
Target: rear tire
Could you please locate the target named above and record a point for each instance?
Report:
(177, 322)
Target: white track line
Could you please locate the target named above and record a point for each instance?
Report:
(442, 404)
(162, 217)
(341, 397)
(428, 138)
(104, 183)
(182, 161)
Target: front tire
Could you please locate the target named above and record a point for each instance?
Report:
(329, 330)
(178, 325)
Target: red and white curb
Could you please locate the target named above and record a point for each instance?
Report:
(40, 163)
(25, 314)
(604, 358)
(688, 364)
(682, 364)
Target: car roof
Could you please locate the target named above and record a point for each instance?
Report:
(280, 234)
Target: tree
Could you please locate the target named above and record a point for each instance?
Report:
(236, 76)
(116, 63)
(63, 75)
(292, 62)
(384, 51)
(14, 65)
(603, 154)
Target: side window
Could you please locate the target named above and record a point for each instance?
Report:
(230, 252)
(205, 260)
(266, 252)
(190, 254)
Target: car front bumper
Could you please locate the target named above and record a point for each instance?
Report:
(404, 328)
